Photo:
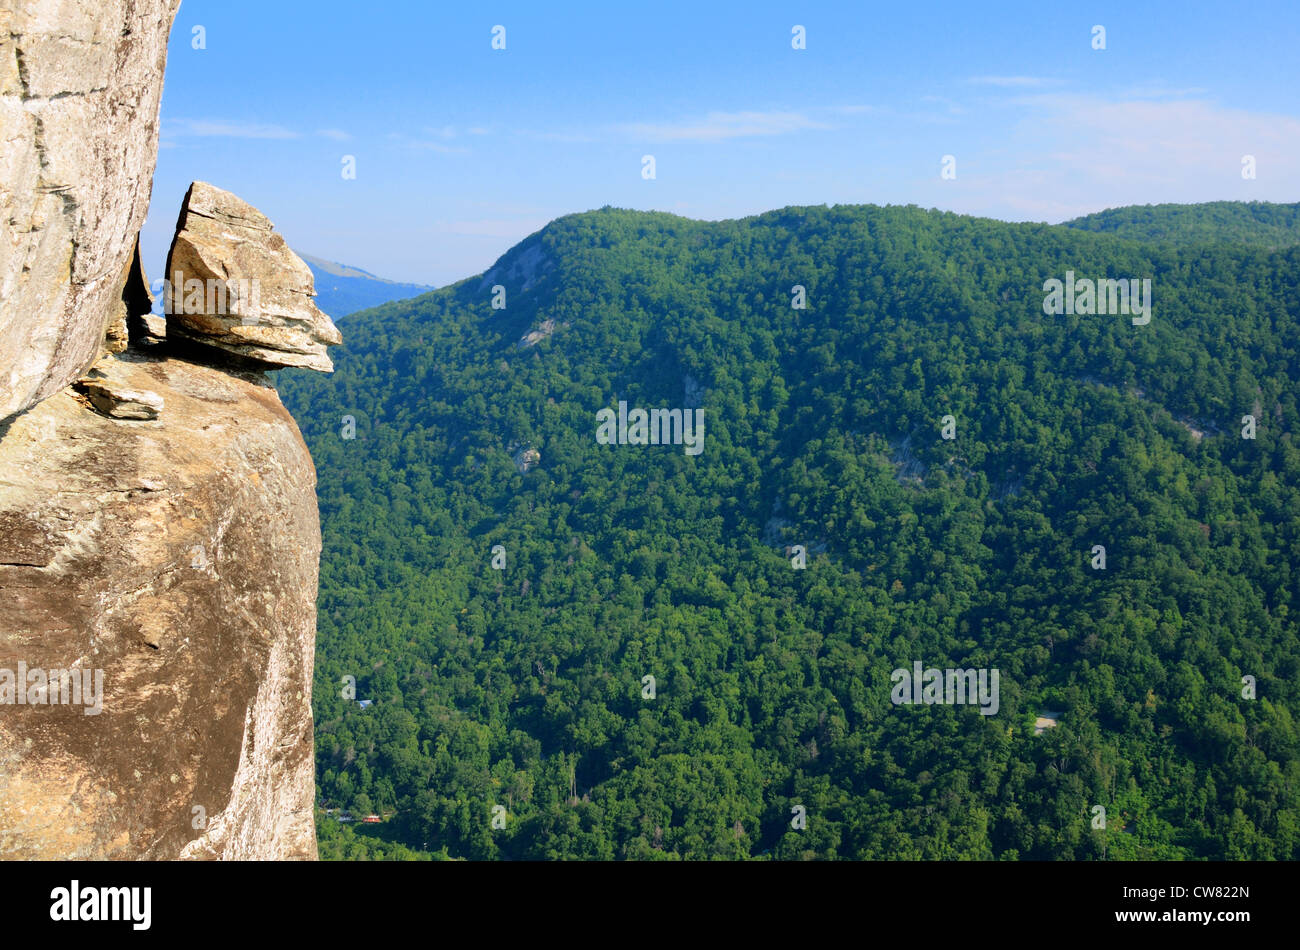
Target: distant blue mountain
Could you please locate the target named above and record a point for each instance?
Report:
(341, 290)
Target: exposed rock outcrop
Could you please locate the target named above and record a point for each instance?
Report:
(80, 86)
(525, 267)
(179, 556)
(526, 459)
(159, 536)
(109, 391)
(234, 284)
(544, 330)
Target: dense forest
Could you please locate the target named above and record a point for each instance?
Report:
(501, 585)
(1255, 223)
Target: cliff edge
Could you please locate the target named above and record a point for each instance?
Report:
(179, 557)
(159, 534)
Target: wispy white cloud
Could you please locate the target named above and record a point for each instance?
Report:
(1070, 154)
(562, 137)
(337, 135)
(448, 132)
(1014, 82)
(426, 145)
(720, 126)
(228, 128)
(950, 107)
(1158, 90)
(438, 147)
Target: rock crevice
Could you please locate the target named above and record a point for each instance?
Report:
(80, 87)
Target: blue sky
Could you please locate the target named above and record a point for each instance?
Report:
(462, 150)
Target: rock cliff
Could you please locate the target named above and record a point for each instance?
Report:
(179, 556)
(80, 87)
(159, 536)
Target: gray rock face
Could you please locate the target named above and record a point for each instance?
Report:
(544, 330)
(525, 459)
(177, 557)
(234, 284)
(80, 86)
(159, 536)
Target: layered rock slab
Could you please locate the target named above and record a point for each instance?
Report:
(234, 285)
(179, 556)
(80, 87)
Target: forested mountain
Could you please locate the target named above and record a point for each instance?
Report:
(1255, 223)
(518, 697)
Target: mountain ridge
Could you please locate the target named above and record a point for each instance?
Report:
(342, 289)
(1263, 223)
(525, 686)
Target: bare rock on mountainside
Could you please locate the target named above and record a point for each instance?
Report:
(521, 268)
(526, 458)
(235, 285)
(80, 86)
(179, 557)
(544, 330)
